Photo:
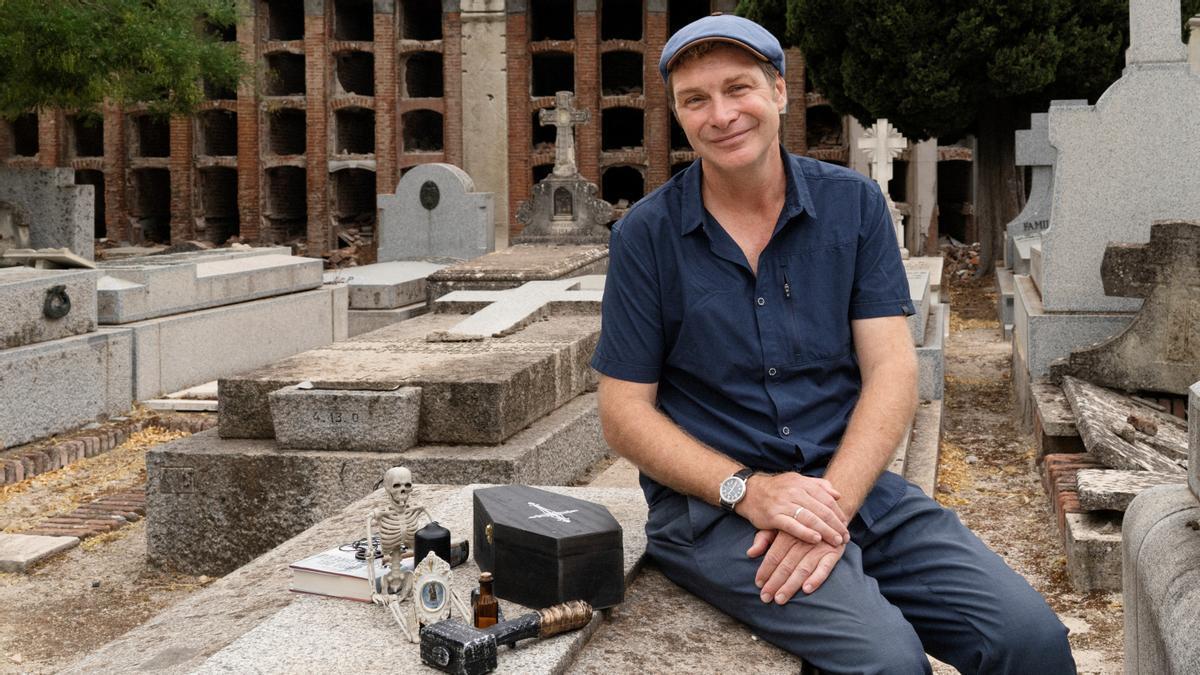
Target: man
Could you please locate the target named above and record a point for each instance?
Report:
(757, 368)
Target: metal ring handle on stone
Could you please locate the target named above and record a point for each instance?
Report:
(57, 303)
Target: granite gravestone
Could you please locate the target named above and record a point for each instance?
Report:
(1033, 150)
(435, 213)
(1123, 163)
(564, 208)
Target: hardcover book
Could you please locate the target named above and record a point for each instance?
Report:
(337, 573)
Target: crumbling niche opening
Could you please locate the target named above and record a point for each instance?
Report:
(422, 131)
(544, 135)
(355, 132)
(621, 74)
(954, 192)
(88, 133)
(541, 171)
(621, 20)
(679, 139)
(354, 199)
(153, 136)
(221, 33)
(285, 19)
(25, 135)
(287, 203)
(682, 12)
(898, 185)
(219, 92)
(354, 20)
(423, 75)
(551, 20)
(823, 128)
(286, 132)
(152, 204)
(218, 200)
(96, 180)
(218, 133)
(422, 19)
(552, 72)
(622, 183)
(285, 74)
(356, 72)
(621, 128)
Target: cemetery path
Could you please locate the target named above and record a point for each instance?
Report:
(988, 475)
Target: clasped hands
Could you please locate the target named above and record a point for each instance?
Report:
(801, 532)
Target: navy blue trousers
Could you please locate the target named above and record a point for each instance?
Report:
(917, 581)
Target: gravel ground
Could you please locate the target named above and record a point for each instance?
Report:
(80, 600)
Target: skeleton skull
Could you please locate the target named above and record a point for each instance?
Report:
(398, 483)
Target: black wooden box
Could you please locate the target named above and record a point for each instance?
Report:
(545, 548)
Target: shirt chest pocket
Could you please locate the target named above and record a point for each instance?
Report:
(818, 286)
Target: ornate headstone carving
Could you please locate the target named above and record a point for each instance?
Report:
(1160, 349)
(882, 143)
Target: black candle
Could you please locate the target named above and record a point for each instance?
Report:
(432, 538)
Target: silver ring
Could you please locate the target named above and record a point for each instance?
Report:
(799, 510)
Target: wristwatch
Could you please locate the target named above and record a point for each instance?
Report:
(733, 489)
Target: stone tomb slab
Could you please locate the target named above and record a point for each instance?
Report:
(386, 285)
(1004, 300)
(919, 291)
(1114, 489)
(135, 289)
(435, 213)
(517, 265)
(1093, 543)
(500, 313)
(1101, 416)
(50, 207)
(346, 419)
(472, 392)
(931, 358)
(934, 264)
(1042, 337)
(1194, 439)
(41, 305)
(18, 552)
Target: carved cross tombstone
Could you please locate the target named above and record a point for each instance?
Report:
(1160, 349)
(882, 143)
(564, 117)
(1154, 32)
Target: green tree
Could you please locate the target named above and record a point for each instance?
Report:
(77, 54)
(937, 68)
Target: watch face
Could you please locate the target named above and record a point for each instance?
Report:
(732, 489)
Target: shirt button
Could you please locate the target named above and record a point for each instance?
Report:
(786, 431)
(771, 372)
(762, 301)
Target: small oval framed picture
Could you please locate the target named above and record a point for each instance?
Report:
(431, 590)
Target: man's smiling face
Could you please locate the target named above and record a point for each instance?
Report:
(727, 107)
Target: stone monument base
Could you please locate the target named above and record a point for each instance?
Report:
(517, 265)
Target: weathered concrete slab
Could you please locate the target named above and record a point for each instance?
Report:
(135, 289)
(346, 419)
(473, 392)
(51, 208)
(198, 488)
(1161, 556)
(921, 463)
(918, 290)
(41, 305)
(931, 357)
(1101, 416)
(1093, 542)
(933, 264)
(1054, 429)
(1194, 439)
(182, 350)
(53, 386)
(361, 321)
(19, 552)
(1004, 300)
(500, 313)
(386, 285)
(1113, 489)
(517, 265)
(1044, 337)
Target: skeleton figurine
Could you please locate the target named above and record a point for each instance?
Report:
(397, 525)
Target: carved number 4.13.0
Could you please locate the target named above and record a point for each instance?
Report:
(334, 417)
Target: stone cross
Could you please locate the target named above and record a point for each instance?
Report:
(1154, 32)
(1160, 349)
(882, 143)
(510, 310)
(564, 117)
(1033, 150)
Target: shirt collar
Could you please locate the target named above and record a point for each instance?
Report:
(795, 200)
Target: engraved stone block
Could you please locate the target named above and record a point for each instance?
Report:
(346, 419)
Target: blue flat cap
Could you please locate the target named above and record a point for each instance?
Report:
(723, 28)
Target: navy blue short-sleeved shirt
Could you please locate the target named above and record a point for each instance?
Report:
(761, 368)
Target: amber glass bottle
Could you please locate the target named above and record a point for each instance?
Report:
(486, 609)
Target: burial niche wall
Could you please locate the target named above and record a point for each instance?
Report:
(423, 75)
(356, 72)
(421, 20)
(552, 72)
(621, 74)
(219, 204)
(617, 20)
(218, 133)
(219, 92)
(540, 171)
(551, 20)
(823, 128)
(622, 128)
(95, 178)
(622, 184)
(87, 135)
(286, 132)
(682, 12)
(152, 204)
(25, 135)
(954, 198)
(679, 139)
(153, 134)
(354, 199)
(285, 74)
(543, 135)
(286, 212)
(355, 131)
(285, 19)
(422, 131)
(354, 20)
